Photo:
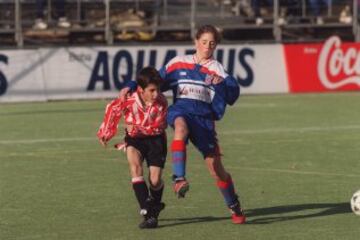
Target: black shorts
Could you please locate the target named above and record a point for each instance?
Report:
(153, 149)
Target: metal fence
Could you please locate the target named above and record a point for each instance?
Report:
(109, 21)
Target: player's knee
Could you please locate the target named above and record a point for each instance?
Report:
(181, 129)
(219, 176)
(155, 175)
(136, 170)
(214, 175)
(155, 181)
(216, 168)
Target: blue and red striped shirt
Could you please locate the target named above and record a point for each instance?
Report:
(192, 87)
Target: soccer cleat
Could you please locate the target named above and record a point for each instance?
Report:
(151, 214)
(157, 208)
(153, 208)
(237, 214)
(238, 218)
(181, 186)
(149, 222)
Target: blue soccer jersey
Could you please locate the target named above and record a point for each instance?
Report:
(192, 87)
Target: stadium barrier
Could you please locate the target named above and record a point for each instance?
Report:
(99, 72)
(115, 21)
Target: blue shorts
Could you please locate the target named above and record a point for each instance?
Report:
(201, 130)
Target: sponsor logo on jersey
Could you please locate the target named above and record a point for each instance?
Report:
(192, 90)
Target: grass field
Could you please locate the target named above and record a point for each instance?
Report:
(293, 158)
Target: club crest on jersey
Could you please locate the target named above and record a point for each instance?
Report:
(208, 79)
(213, 79)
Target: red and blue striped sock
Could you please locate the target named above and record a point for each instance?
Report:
(228, 191)
(178, 150)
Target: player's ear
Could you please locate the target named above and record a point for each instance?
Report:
(141, 90)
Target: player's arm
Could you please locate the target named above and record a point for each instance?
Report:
(129, 87)
(232, 90)
(227, 91)
(109, 126)
(165, 86)
(226, 85)
(160, 123)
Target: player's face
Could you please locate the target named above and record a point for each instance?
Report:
(150, 93)
(205, 45)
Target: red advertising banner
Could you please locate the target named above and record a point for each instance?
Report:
(331, 66)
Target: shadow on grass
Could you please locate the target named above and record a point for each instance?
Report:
(51, 111)
(295, 212)
(278, 214)
(182, 221)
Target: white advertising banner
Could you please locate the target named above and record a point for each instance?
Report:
(21, 76)
(100, 72)
(267, 65)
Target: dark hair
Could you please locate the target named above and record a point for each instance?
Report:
(148, 75)
(208, 29)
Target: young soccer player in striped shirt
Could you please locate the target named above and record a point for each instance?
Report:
(144, 113)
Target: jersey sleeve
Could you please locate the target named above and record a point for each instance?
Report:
(132, 84)
(160, 123)
(232, 90)
(109, 126)
(165, 73)
(165, 84)
(226, 92)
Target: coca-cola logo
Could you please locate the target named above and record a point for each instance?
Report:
(338, 67)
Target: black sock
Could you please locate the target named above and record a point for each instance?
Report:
(156, 193)
(141, 193)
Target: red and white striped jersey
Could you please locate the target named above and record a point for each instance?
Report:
(141, 120)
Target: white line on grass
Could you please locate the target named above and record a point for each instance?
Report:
(295, 172)
(233, 132)
(185, 207)
(289, 130)
(44, 140)
(255, 105)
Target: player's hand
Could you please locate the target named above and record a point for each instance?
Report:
(216, 79)
(120, 146)
(103, 142)
(123, 94)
